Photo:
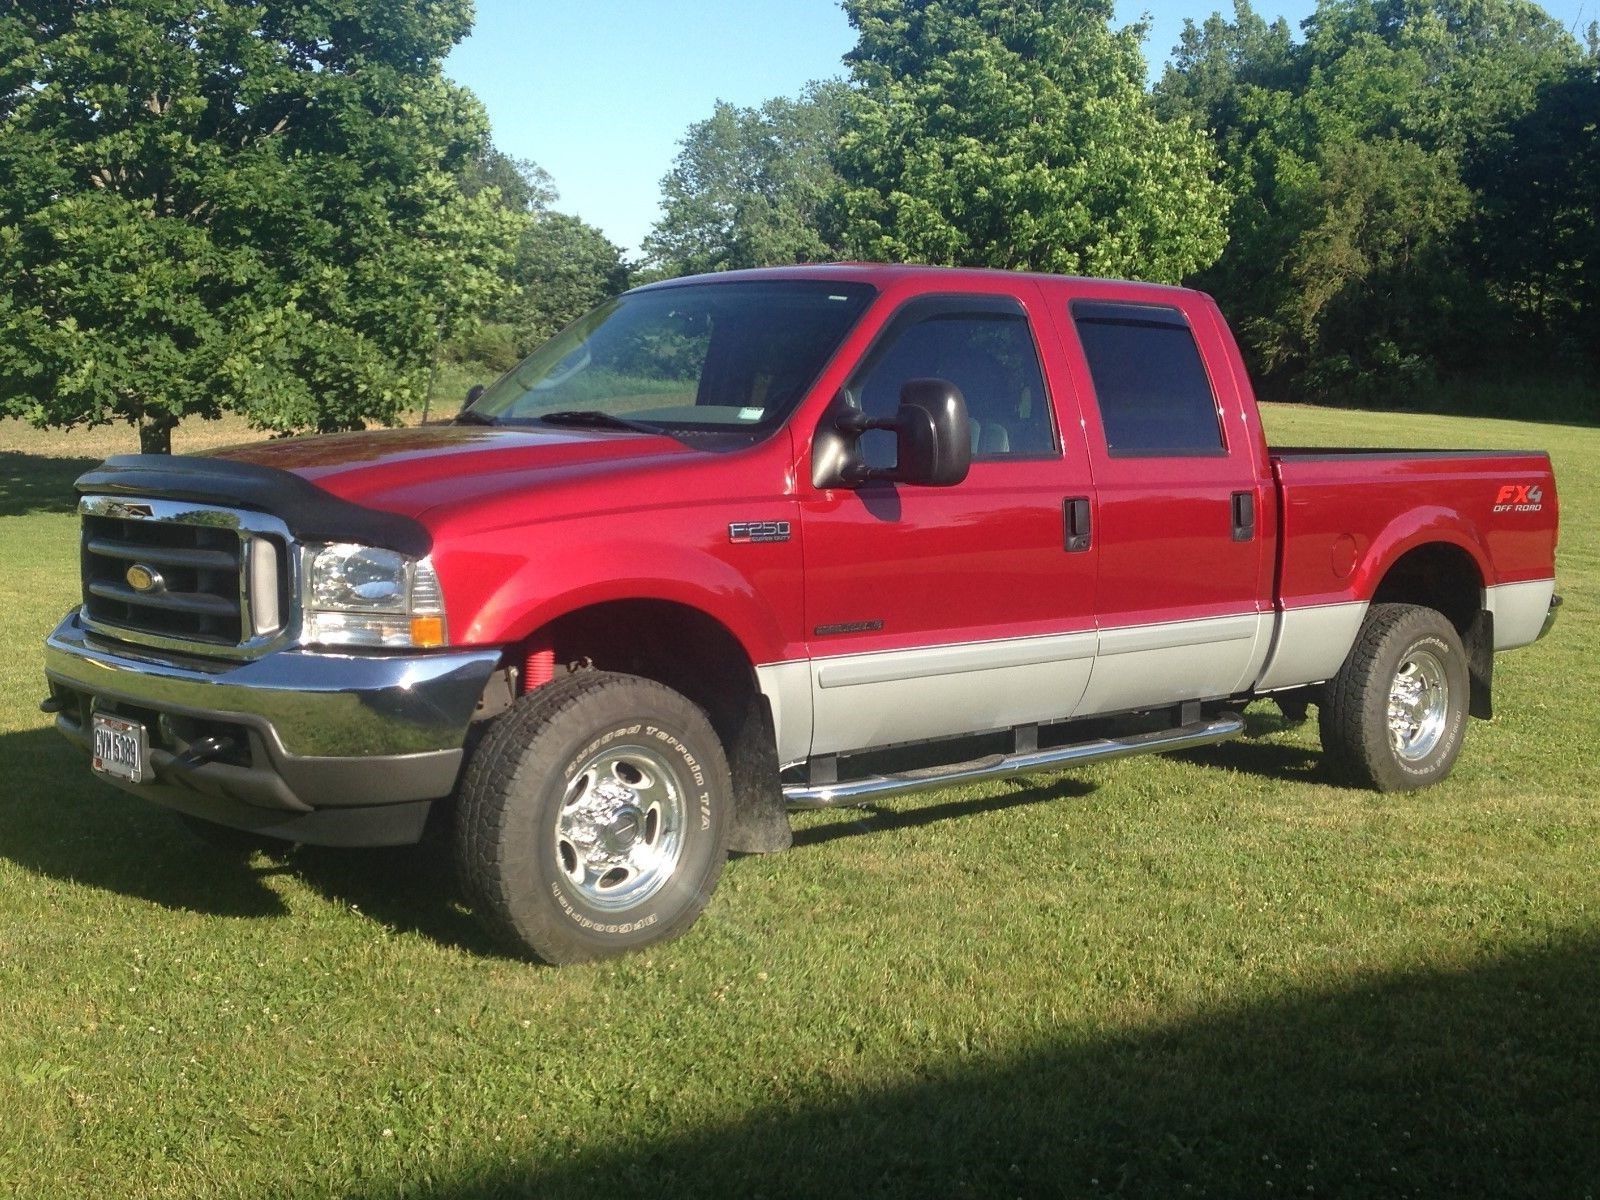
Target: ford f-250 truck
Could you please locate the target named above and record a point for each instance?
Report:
(711, 551)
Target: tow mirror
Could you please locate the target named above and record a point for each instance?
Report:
(932, 438)
(932, 434)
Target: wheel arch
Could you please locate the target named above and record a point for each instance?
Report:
(697, 655)
(1444, 575)
(1451, 578)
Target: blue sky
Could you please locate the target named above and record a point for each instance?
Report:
(599, 92)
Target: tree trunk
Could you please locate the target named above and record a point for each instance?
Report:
(155, 434)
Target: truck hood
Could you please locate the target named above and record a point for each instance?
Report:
(409, 471)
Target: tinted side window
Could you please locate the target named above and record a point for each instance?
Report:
(1154, 396)
(990, 356)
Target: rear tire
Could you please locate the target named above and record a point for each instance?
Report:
(594, 818)
(1395, 715)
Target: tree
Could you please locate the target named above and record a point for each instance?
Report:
(234, 206)
(1018, 133)
(564, 267)
(561, 268)
(1539, 241)
(1348, 263)
(750, 187)
(524, 185)
(1218, 65)
(1377, 288)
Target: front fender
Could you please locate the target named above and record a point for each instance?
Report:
(497, 596)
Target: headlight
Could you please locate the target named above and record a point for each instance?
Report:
(368, 596)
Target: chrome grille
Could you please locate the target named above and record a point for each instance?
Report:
(189, 576)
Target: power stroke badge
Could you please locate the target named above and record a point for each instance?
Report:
(758, 531)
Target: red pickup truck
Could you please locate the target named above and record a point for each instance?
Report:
(798, 537)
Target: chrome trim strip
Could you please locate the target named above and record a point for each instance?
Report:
(888, 666)
(875, 787)
(1174, 635)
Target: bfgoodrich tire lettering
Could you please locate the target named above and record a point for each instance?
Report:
(594, 818)
(1395, 715)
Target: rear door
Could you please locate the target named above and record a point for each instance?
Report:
(1182, 597)
(947, 610)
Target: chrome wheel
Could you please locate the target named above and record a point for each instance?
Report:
(619, 835)
(1419, 703)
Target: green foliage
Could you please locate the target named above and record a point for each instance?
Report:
(524, 185)
(235, 206)
(564, 267)
(751, 187)
(1350, 264)
(1539, 240)
(561, 267)
(1018, 134)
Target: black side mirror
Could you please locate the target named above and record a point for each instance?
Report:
(933, 440)
(932, 434)
(473, 393)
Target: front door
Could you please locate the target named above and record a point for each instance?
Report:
(945, 610)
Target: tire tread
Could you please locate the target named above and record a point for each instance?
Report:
(1356, 755)
(484, 876)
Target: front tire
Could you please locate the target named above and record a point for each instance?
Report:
(594, 818)
(1394, 717)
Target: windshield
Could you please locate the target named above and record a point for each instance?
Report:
(735, 355)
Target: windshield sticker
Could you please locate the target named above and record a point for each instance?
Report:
(751, 414)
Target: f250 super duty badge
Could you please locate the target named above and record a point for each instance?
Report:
(1519, 497)
(758, 531)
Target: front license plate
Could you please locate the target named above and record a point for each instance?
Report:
(121, 748)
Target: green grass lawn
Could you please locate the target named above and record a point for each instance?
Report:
(1213, 974)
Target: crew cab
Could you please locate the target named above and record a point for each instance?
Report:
(736, 544)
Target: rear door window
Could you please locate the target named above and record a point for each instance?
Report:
(1154, 395)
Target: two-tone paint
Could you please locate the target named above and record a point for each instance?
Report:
(896, 613)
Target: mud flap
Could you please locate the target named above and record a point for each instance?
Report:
(1480, 666)
(760, 817)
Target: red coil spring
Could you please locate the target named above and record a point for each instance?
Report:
(539, 667)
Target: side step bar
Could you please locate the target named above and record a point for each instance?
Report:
(875, 787)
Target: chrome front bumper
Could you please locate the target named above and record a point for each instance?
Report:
(333, 748)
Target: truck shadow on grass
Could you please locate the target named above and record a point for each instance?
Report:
(1476, 1080)
(38, 483)
(1252, 755)
(410, 889)
(875, 818)
(58, 820)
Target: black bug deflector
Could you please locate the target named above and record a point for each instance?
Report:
(312, 514)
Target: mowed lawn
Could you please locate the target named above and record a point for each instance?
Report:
(1213, 974)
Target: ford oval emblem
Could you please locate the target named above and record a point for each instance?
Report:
(145, 579)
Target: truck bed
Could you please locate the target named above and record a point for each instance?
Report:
(1349, 514)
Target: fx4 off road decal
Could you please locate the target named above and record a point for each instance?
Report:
(1519, 497)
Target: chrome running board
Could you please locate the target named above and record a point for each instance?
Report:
(874, 787)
